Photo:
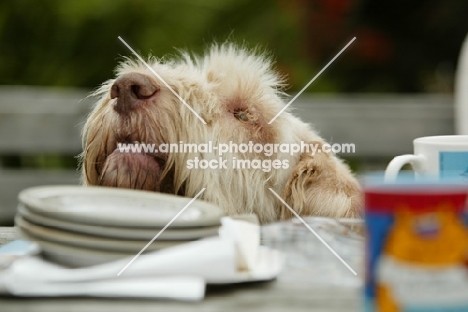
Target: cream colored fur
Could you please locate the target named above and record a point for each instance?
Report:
(226, 79)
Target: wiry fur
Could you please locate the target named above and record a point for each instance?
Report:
(226, 79)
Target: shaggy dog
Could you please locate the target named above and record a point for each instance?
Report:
(236, 92)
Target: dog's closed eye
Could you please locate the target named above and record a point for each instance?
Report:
(242, 115)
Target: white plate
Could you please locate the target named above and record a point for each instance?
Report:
(119, 232)
(118, 207)
(269, 265)
(74, 256)
(45, 234)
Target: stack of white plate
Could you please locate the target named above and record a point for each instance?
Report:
(81, 226)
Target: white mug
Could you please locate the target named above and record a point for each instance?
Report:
(444, 156)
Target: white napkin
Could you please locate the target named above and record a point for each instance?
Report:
(244, 233)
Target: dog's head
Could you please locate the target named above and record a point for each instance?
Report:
(228, 96)
(234, 91)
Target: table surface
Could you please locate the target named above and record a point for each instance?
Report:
(287, 293)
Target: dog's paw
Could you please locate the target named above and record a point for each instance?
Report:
(321, 185)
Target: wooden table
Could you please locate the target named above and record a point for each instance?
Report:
(287, 293)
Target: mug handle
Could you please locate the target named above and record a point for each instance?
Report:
(416, 161)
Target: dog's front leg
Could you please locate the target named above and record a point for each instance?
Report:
(321, 185)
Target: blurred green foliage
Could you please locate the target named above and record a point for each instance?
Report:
(74, 42)
(401, 46)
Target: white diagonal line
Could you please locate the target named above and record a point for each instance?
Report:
(160, 232)
(310, 82)
(313, 232)
(162, 80)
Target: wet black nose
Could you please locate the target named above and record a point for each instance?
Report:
(132, 90)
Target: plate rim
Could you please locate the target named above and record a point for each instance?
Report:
(86, 241)
(71, 255)
(30, 198)
(170, 234)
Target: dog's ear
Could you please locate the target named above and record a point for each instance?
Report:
(322, 185)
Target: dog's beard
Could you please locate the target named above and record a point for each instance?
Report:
(131, 170)
(108, 164)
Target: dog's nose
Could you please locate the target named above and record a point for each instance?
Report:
(132, 90)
